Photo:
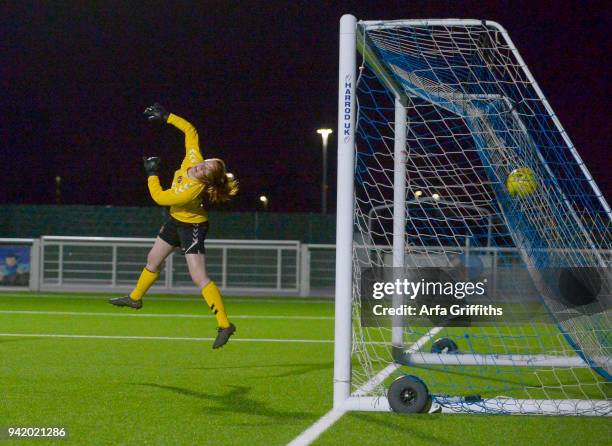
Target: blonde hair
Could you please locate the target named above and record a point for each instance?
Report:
(219, 185)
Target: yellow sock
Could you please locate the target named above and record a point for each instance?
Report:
(213, 298)
(146, 279)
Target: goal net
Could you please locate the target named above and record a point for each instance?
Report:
(450, 157)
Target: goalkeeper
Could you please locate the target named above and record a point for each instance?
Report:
(197, 181)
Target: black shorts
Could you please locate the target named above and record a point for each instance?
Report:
(189, 236)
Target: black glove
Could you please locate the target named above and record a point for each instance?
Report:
(151, 165)
(156, 113)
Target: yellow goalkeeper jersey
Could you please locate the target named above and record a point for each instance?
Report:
(184, 196)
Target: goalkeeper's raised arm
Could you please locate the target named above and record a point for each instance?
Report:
(157, 113)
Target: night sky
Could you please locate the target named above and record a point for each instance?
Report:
(256, 78)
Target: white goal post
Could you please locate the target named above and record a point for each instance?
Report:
(434, 118)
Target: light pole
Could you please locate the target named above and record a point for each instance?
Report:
(324, 135)
(264, 204)
(58, 189)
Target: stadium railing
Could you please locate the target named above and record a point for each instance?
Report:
(239, 267)
(112, 264)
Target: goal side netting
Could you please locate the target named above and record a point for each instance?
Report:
(436, 117)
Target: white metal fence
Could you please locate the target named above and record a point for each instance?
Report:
(240, 267)
(264, 267)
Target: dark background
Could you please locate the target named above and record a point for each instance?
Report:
(257, 78)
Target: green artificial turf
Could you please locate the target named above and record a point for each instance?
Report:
(473, 430)
(167, 386)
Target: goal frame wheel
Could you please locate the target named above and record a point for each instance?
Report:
(409, 394)
(444, 346)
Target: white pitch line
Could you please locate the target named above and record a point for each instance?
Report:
(320, 426)
(154, 298)
(160, 338)
(165, 315)
(327, 420)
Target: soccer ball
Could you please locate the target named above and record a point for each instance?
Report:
(521, 182)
